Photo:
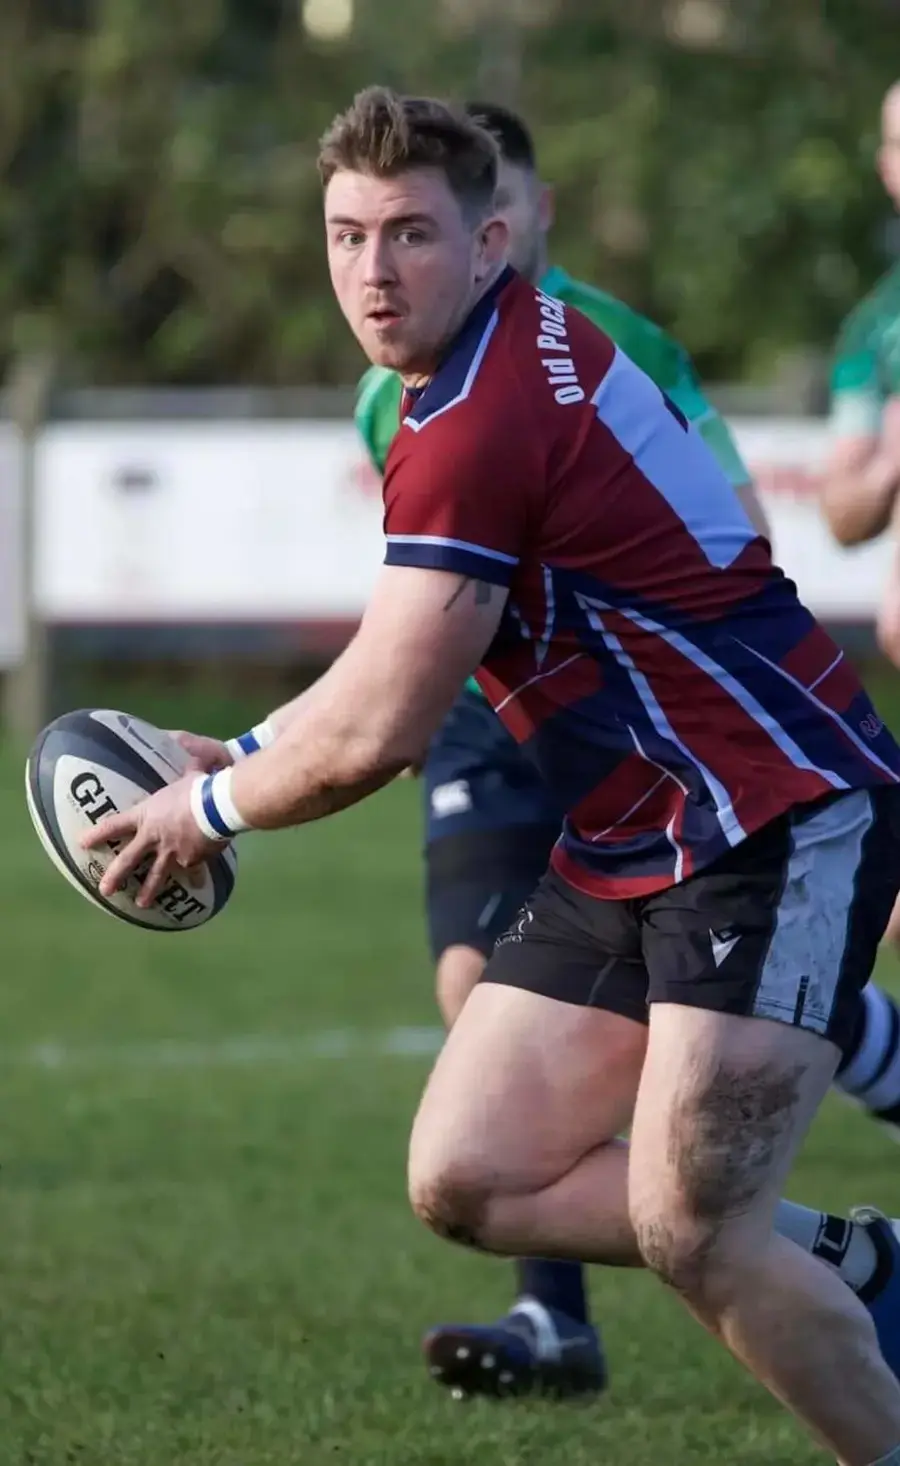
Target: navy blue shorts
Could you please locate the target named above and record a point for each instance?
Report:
(475, 777)
(490, 825)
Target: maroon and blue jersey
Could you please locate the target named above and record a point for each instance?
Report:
(659, 669)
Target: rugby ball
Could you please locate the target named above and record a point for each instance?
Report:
(93, 763)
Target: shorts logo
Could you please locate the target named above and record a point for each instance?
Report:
(516, 932)
(871, 725)
(453, 798)
(722, 944)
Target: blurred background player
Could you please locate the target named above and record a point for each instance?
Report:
(862, 476)
(490, 823)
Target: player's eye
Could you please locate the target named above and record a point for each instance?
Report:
(411, 236)
(350, 238)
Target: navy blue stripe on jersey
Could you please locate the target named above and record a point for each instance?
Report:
(726, 681)
(433, 552)
(749, 675)
(571, 765)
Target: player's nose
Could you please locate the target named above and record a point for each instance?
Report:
(379, 266)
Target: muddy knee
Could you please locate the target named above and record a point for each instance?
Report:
(690, 1257)
(698, 1225)
(451, 1200)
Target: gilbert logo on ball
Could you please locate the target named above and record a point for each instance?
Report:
(95, 762)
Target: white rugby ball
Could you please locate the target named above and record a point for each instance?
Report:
(89, 764)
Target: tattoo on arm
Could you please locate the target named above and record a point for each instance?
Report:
(483, 592)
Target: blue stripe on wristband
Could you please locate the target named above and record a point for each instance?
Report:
(208, 802)
(257, 739)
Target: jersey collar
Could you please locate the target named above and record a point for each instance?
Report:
(447, 383)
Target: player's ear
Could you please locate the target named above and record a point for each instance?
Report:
(493, 246)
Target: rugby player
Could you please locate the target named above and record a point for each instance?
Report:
(731, 846)
(491, 822)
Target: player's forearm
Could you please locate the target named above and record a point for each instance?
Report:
(858, 504)
(262, 735)
(314, 769)
(280, 718)
(357, 733)
(284, 787)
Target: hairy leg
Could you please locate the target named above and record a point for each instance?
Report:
(724, 1104)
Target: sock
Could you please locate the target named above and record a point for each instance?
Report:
(559, 1285)
(870, 1070)
(844, 1245)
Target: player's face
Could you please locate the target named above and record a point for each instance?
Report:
(406, 263)
(889, 152)
(526, 205)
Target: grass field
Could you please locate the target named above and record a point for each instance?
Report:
(207, 1257)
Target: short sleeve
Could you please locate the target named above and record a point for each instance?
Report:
(460, 494)
(857, 395)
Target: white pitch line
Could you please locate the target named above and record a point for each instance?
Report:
(240, 1050)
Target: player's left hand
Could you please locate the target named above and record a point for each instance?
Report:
(159, 832)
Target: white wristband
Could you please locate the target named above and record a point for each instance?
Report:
(213, 807)
(259, 737)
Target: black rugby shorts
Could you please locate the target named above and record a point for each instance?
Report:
(784, 926)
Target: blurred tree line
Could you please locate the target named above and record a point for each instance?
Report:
(160, 211)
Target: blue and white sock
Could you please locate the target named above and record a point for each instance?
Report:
(838, 1241)
(870, 1070)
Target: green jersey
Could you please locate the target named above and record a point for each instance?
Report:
(866, 368)
(650, 348)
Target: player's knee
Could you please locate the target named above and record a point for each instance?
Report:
(451, 1199)
(699, 1227)
(691, 1256)
(458, 970)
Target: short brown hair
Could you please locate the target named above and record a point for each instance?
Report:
(385, 134)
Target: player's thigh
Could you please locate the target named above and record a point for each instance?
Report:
(755, 970)
(523, 1089)
(544, 1061)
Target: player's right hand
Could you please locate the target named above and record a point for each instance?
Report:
(207, 755)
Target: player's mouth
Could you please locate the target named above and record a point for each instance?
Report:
(383, 316)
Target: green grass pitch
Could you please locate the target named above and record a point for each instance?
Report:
(206, 1255)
